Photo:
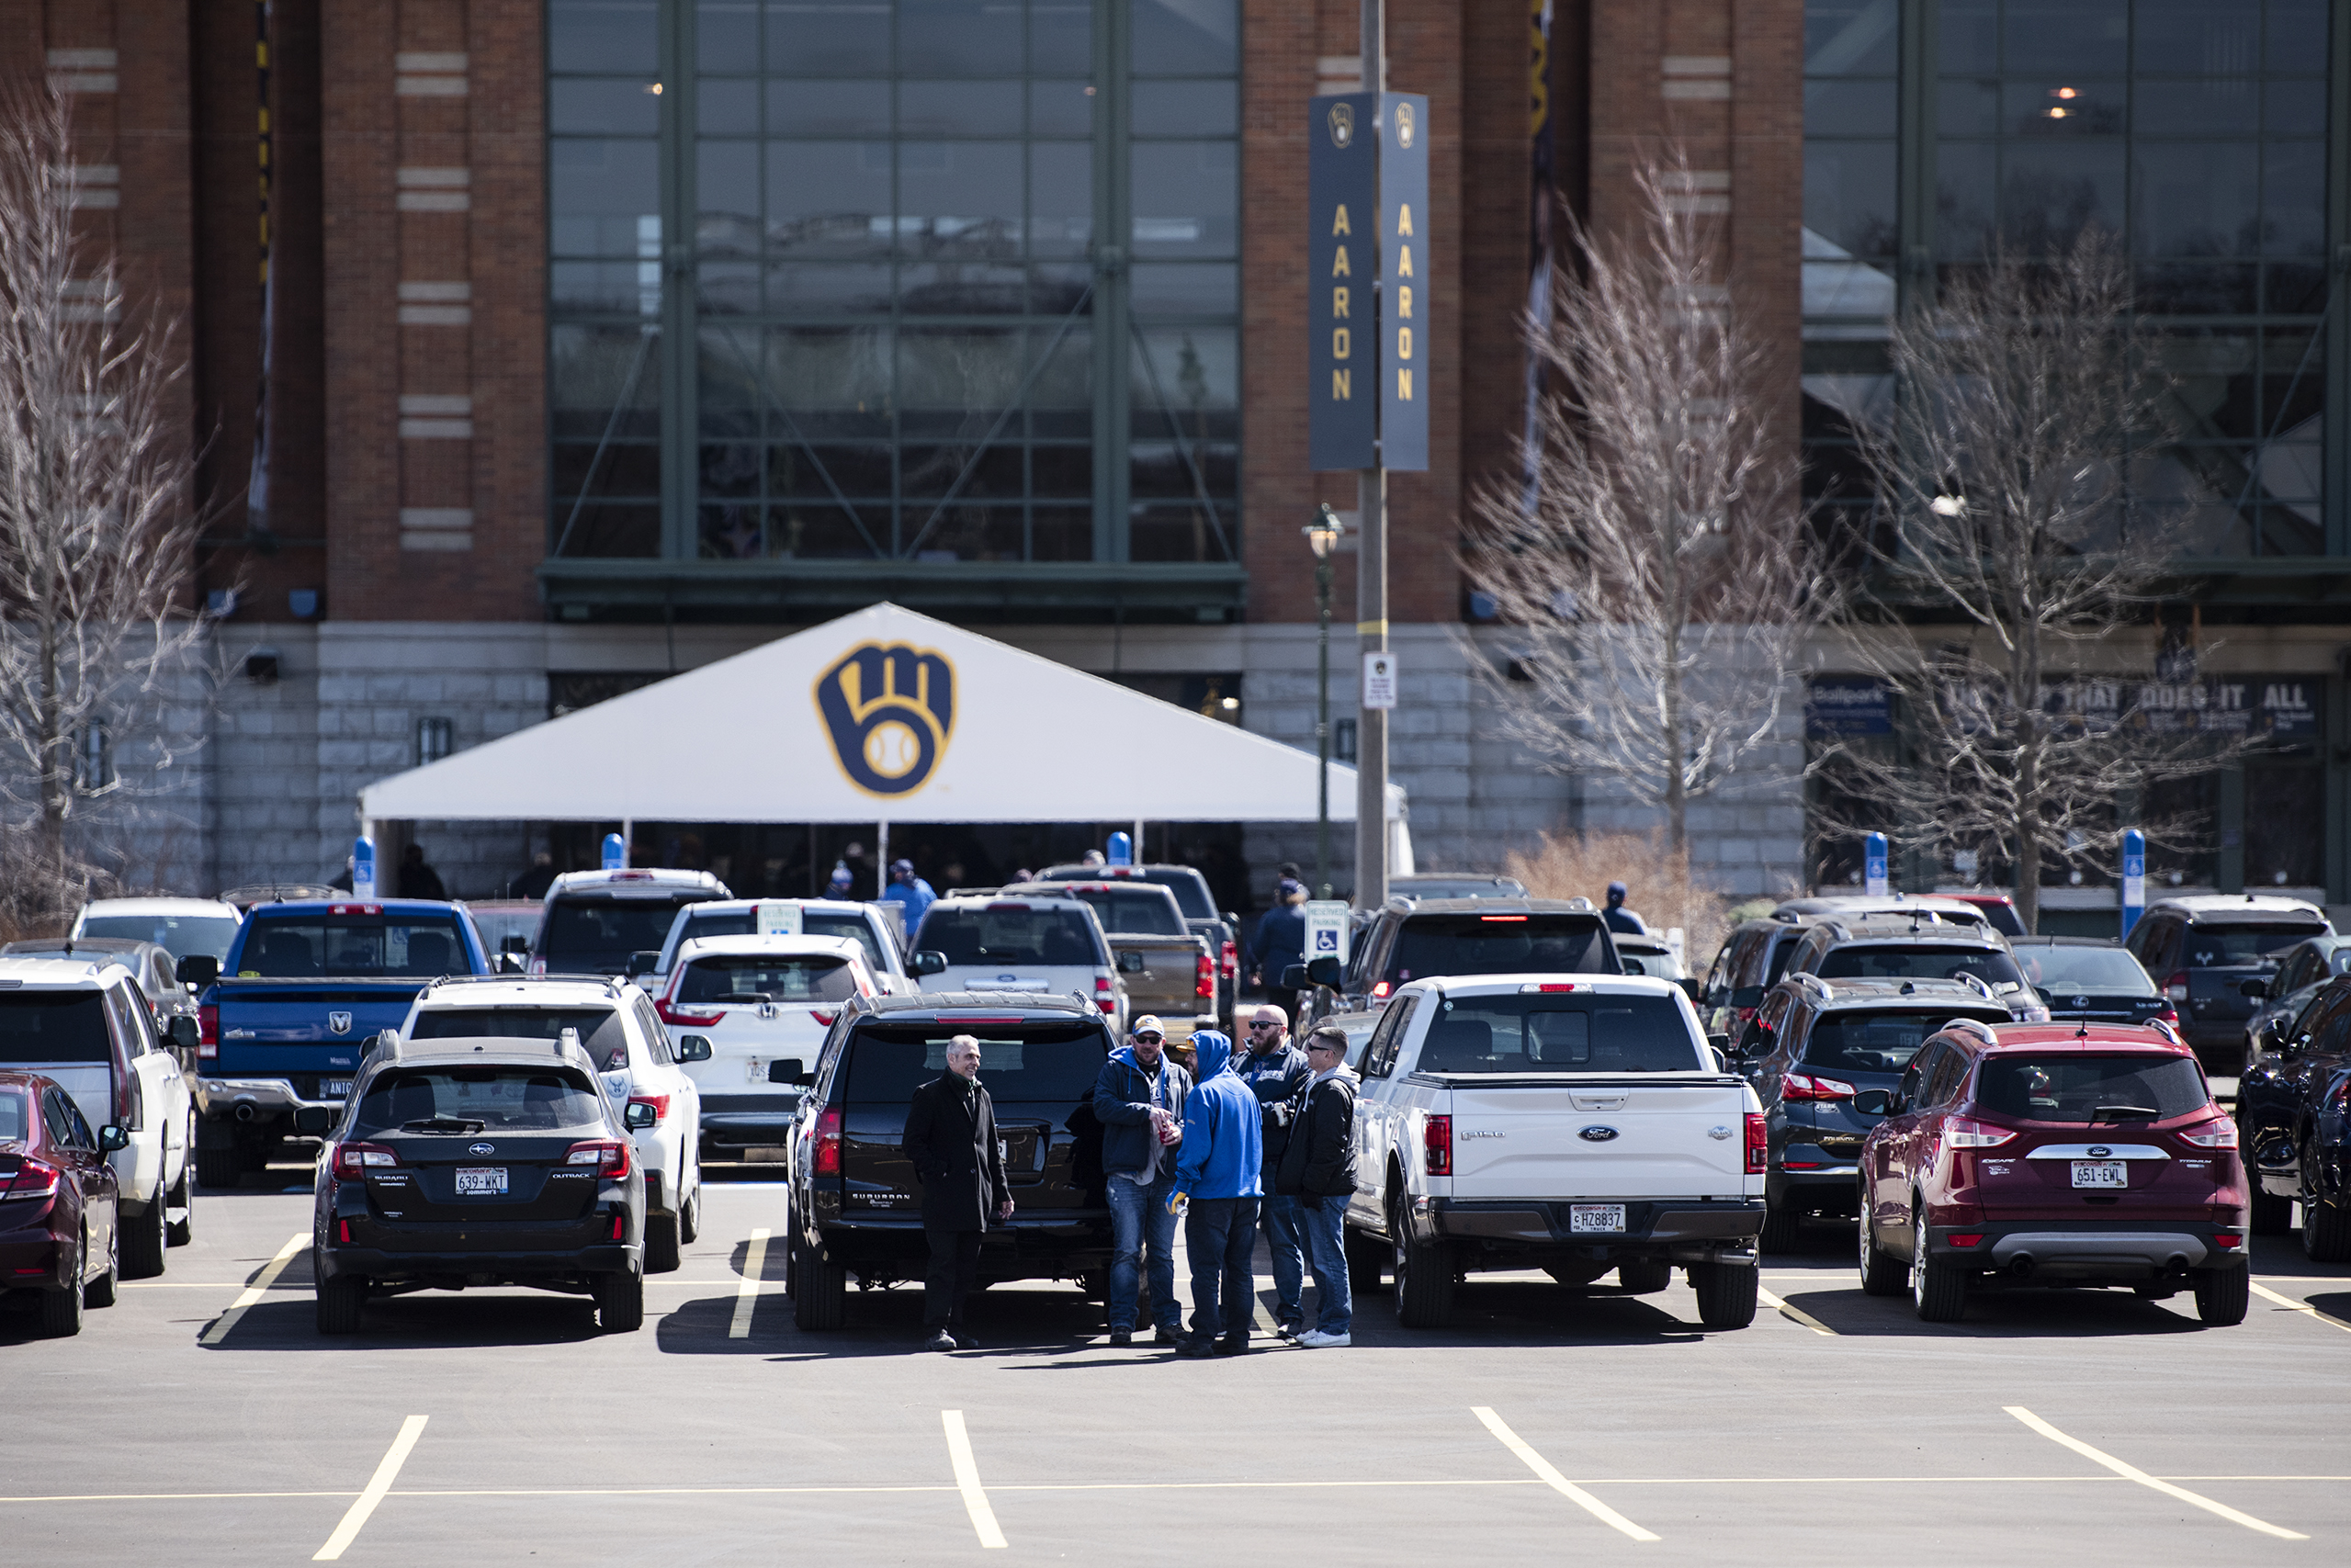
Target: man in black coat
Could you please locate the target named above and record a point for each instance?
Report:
(1318, 1166)
(951, 1142)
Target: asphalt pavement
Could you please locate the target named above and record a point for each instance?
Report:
(202, 1420)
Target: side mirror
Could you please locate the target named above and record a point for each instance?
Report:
(313, 1120)
(1694, 988)
(926, 962)
(1295, 978)
(791, 1070)
(643, 962)
(1876, 1102)
(639, 1116)
(1719, 1042)
(1230, 917)
(111, 1137)
(1130, 962)
(1326, 971)
(693, 1048)
(197, 969)
(515, 944)
(1747, 996)
(1632, 967)
(185, 1033)
(2256, 988)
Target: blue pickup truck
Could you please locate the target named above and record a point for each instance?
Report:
(306, 988)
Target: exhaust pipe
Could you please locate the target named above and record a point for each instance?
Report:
(2021, 1266)
(245, 1111)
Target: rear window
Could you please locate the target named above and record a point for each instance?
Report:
(510, 1023)
(1011, 934)
(1558, 1034)
(293, 947)
(1657, 965)
(1032, 1062)
(2107, 969)
(596, 936)
(2085, 1088)
(856, 927)
(15, 1107)
(1191, 888)
(1496, 944)
(177, 934)
(2217, 946)
(1147, 913)
(37, 1027)
(512, 1098)
(1877, 1042)
(1924, 961)
(766, 977)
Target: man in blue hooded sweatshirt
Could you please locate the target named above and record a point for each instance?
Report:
(1217, 1174)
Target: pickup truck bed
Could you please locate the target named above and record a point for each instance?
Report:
(1167, 982)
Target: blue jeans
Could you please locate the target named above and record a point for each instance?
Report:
(1334, 1298)
(1138, 1215)
(1285, 1239)
(1221, 1235)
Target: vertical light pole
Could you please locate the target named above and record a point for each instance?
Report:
(1371, 592)
(1322, 536)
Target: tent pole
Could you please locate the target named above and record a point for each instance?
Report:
(628, 843)
(1139, 856)
(881, 859)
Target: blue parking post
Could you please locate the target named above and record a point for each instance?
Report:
(2134, 878)
(1121, 849)
(616, 853)
(1874, 881)
(363, 868)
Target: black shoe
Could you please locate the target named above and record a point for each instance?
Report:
(1122, 1336)
(1165, 1337)
(1232, 1347)
(1194, 1350)
(966, 1342)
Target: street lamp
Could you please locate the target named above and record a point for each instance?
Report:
(1322, 536)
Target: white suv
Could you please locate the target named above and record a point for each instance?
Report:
(865, 923)
(635, 1060)
(85, 1023)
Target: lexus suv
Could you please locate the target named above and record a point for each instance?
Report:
(2203, 948)
(1914, 948)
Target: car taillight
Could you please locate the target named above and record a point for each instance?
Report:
(207, 1033)
(823, 1017)
(2226, 1240)
(1231, 957)
(343, 1230)
(1969, 1238)
(130, 1103)
(2218, 1134)
(1962, 1132)
(34, 1179)
(609, 1155)
(2339, 1100)
(659, 1102)
(1379, 992)
(1437, 1144)
(1204, 976)
(829, 1144)
(353, 1161)
(1805, 1085)
(1101, 984)
(1759, 1144)
(2176, 988)
(686, 1018)
(2169, 1015)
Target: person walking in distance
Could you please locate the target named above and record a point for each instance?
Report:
(951, 1143)
(1318, 1168)
(1276, 1071)
(1281, 941)
(1139, 1099)
(1620, 919)
(909, 892)
(1218, 1176)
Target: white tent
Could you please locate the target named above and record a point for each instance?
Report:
(884, 716)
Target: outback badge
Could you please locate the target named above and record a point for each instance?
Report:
(888, 711)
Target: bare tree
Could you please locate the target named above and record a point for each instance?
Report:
(99, 629)
(2019, 398)
(1657, 567)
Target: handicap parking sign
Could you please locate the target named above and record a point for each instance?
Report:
(1326, 929)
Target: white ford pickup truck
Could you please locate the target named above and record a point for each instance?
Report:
(1513, 1122)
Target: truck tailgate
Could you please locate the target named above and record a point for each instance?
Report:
(1169, 983)
(272, 1028)
(1600, 1138)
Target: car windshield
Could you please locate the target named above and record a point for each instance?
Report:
(1456, 887)
(767, 978)
(1147, 913)
(2217, 947)
(1046, 1061)
(287, 947)
(813, 922)
(595, 936)
(2109, 970)
(1896, 961)
(41, 1026)
(1657, 965)
(179, 935)
(14, 1109)
(1877, 1042)
(513, 1098)
(1012, 933)
(1496, 944)
(2086, 1088)
(1558, 1034)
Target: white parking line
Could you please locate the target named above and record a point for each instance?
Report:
(2266, 1294)
(747, 1294)
(255, 1290)
(2132, 1472)
(975, 1499)
(1793, 1314)
(1552, 1478)
(378, 1484)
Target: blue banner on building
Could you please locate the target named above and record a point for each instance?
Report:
(1342, 282)
(1404, 281)
(1840, 705)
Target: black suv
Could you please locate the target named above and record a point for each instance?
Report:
(855, 1205)
(1750, 963)
(2091, 980)
(477, 1162)
(2203, 948)
(2294, 1125)
(1817, 1043)
(1917, 947)
(1413, 939)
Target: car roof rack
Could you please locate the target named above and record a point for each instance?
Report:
(1975, 1026)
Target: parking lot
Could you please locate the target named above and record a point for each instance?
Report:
(203, 1420)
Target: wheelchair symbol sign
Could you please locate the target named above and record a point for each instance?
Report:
(1325, 942)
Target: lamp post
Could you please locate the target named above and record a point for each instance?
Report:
(1322, 536)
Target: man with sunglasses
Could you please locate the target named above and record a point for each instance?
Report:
(1139, 1099)
(1275, 1071)
(1318, 1169)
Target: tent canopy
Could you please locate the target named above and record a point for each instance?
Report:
(882, 716)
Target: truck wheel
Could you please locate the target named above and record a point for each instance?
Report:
(142, 1240)
(1424, 1277)
(1576, 1273)
(1937, 1289)
(2223, 1295)
(1881, 1275)
(61, 1310)
(689, 1219)
(1781, 1228)
(1365, 1267)
(1726, 1294)
(221, 1167)
(2326, 1228)
(180, 1232)
(620, 1303)
(660, 1244)
(339, 1303)
(820, 1292)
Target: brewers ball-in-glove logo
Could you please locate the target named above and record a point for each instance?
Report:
(1342, 125)
(888, 710)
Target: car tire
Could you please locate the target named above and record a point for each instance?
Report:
(820, 1292)
(1782, 1227)
(1937, 1289)
(2223, 1295)
(620, 1303)
(143, 1241)
(180, 1232)
(1576, 1273)
(689, 1219)
(660, 1244)
(100, 1291)
(2326, 1228)
(1726, 1294)
(61, 1309)
(1424, 1277)
(221, 1167)
(1880, 1274)
(340, 1301)
(2271, 1215)
(1643, 1276)
(1366, 1265)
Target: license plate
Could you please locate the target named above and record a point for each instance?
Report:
(2101, 1173)
(334, 1088)
(481, 1182)
(1584, 1217)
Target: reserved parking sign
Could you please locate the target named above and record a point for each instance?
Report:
(1325, 929)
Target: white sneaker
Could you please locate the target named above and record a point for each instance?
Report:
(1315, 1340)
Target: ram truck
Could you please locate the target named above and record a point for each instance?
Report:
(288, 1018)
(1576, 1126)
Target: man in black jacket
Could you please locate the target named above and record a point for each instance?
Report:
(1275, 1070)
(1319, 1165)
(951, 1142)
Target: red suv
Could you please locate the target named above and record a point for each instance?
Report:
(2052, 1154)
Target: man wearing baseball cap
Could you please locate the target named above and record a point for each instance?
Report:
(909, 891)
(1281, 941)
(1138, 1099)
